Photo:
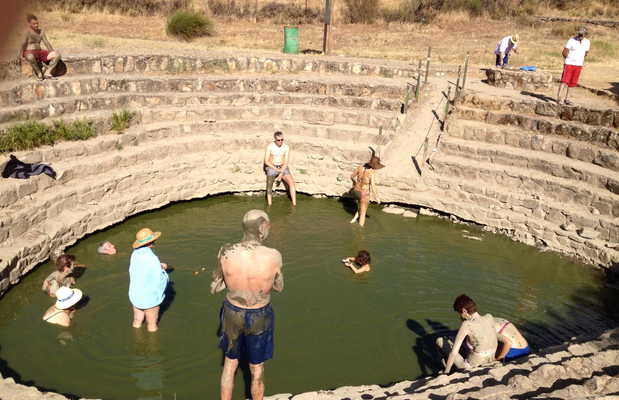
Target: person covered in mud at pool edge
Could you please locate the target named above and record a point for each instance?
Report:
(476, 331)
(513, 344)
(364, 186)
(147, 280)
(276, 161)
(42, 61)
(249, 271)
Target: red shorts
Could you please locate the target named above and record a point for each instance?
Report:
(571, 73)
(39, 55)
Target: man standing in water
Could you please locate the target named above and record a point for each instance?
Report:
(33, 53)
(276, 159)
(249, 271)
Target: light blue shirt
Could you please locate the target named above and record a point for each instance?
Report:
(147, 280)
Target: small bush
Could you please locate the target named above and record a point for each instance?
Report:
(32, 134)
(122, 120)
(126, 7)
(187, 25)
(361, 11)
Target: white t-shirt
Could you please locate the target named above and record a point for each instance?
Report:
(505, 45)
(577, 50)
(278, 152)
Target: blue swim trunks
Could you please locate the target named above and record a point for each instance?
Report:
(247, 333)
(515, 353)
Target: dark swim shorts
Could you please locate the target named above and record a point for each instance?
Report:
(247, 333)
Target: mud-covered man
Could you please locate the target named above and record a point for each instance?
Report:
(42, 61)
(248, 270)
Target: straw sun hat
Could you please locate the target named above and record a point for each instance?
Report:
(515, 38)
(67, 297)
(144, 237)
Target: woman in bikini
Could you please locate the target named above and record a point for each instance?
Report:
(63, 310)
(364, 186)
(512, 343)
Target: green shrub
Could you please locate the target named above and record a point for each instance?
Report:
(76, 130)
(187, 25)
(361, 11)
(24, 136)
(32, 134)
(421, 11)
(290, 14)
(122, 120)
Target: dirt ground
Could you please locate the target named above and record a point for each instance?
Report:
(451, 37)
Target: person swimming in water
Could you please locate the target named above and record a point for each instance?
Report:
(360, 263)
(32, 52)
(513, 344)
(480, 335)
(364, 186)
(63, 276)
(63, 310)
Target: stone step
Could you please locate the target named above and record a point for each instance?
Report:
(596, 117)
(26, 92)
(230, 64)
(93, 203)
(509, 183)
(30, 202)
(517, 138)
(67, 105)
(344, 120)
(551, 164)
(599, 136)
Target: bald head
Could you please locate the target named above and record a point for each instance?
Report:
(256, 225)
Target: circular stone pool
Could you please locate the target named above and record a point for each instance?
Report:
(333, 328)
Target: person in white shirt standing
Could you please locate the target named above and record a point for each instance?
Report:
(504, 47)
(574, 53)
(276, 158)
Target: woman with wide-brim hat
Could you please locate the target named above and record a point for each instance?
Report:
(364, 186)
(62, 311)
(147, 280)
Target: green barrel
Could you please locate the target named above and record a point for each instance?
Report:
(291, 40)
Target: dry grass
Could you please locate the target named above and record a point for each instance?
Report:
(452, 36)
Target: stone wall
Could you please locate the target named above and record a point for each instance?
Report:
(543, 174)
(516, 79)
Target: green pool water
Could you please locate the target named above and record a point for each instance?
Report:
(332, 328)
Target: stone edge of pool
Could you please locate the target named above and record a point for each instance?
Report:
(584, 367)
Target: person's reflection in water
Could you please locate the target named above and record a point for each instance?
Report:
(147, 365)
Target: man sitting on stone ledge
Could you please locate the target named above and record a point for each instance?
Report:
(42, 61)
(480, 335)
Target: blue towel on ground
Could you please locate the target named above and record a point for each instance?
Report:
(531, 68)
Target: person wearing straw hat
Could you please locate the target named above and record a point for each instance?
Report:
(147, 280)
(63, 310)
(574, 53)
(504, 47)
(364, 185)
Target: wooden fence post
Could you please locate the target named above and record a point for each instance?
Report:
(425, 80)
